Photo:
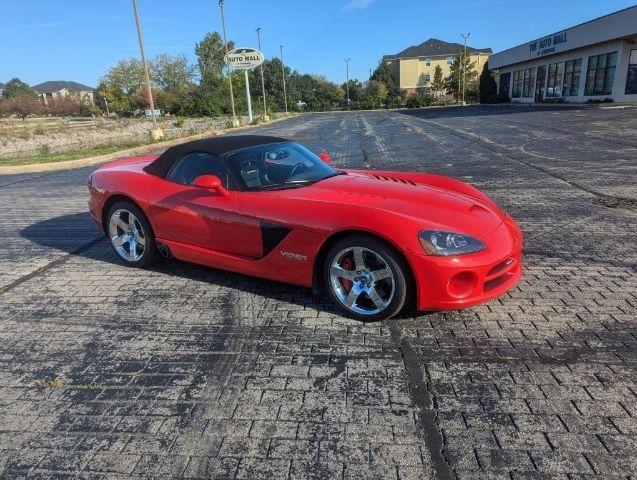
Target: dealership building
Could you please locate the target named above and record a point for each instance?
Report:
(596, 60)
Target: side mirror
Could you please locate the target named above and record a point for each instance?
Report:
(325, 157)
(210, 182)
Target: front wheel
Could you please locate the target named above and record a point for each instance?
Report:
(130, 234)
(366, 277)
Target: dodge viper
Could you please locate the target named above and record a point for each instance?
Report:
(269, 207)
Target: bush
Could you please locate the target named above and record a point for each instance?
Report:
(418, 100)
(599, 100)
(498, 98)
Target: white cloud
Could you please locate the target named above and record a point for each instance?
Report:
(357, 4)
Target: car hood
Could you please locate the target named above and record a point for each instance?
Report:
(436, 207)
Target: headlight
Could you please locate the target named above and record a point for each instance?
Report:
(435, 242)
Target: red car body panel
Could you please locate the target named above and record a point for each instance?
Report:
(226, 231)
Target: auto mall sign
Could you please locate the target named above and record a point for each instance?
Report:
(244, 58)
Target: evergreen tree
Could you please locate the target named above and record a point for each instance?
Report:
(488, 87)
(438, 83)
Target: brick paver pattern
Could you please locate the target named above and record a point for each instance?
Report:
(189, 372)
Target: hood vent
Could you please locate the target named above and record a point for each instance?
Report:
(393, 179)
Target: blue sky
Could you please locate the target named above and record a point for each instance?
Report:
(78, 40)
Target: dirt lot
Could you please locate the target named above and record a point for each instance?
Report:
(183, 371)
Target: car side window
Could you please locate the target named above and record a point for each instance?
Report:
(196, 164)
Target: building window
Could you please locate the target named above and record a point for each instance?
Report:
(631, 76)
(427, 77)
(554, 80)
(449, 60)
(427, 62)
(517, 83)
(529, 82)
(572, 73)
(601, 74)
(505, 83)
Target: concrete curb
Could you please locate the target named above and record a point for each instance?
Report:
(129, 152)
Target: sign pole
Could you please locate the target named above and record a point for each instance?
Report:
(225, 43)
(265, 107)
(245, 73)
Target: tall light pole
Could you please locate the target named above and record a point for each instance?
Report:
(285, 97)
(156, 132)
(265, 107)
(225, 43)
(347, 60)
(464, 65)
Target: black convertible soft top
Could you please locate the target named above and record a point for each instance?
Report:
(216, 146)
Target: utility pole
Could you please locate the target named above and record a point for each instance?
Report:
(235, 122)
(347, 60)
(265, 107)
(156, 133)
(464, 65)
(285, 97)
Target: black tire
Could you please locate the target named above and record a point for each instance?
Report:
(392, 259)
(150, 253)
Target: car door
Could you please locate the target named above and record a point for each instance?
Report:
(199, 217)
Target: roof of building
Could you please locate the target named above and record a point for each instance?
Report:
(57, 85)
(215, 145)
(434, 47)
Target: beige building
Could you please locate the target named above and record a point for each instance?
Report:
(61, 88)
(413, 68)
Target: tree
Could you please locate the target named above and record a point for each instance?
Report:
(62, 106)
(172, 73)
(438, 83)
(21, 104)
(373, 95)
(470, 75)
(488, 87)
(354, 90)
(395, 95)
(210, 56)
(126, 76)
(15, 86)
(383, 75)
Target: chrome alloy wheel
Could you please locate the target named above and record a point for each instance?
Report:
(362, 281)
(127, 235)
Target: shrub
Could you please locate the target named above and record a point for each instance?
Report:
(44, 149)
(418, 100)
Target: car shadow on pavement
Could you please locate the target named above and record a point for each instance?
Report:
(76, 234)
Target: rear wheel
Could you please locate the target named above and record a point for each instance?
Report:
(366, 277)
(130, 235)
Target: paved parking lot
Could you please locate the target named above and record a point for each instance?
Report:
(183, 371)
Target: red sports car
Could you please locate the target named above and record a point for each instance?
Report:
(269, 207)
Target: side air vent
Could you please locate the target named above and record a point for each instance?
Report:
(393, 179)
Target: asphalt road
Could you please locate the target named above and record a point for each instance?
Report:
(183, 371)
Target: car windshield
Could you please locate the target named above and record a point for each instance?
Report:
(278, 166)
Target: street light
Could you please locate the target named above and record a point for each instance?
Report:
(225, 43)
(285, 97)
(265, 108)
(464, 67)
(156, 133)
(347, 60)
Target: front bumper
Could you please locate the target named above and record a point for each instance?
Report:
(450, 283)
